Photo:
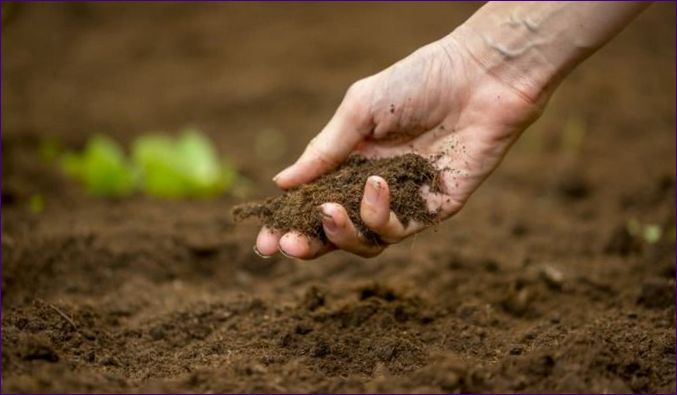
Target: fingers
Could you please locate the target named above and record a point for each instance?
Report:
(342, 233)
(267, 242)
(295, 245)
(349, 125)
(375, 214)
(292, 244)
(375, 211)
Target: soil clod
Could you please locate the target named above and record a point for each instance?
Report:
(298, 208)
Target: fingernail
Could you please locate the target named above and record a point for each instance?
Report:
(329, 223)
(328, 218)
(257, 252)
(373, 190)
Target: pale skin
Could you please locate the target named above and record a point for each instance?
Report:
(462, 100)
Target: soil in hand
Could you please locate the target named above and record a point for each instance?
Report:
(298, 208)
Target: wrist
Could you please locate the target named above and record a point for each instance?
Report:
(532, 46)
(511, 59)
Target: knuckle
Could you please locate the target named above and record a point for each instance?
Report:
(321, 154)
(375, 221)
(376, 218)
(356, 89)
(391, 231)
(355, 108)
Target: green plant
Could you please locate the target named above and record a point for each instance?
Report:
(183, 167)
(160, 166)
(101, 167)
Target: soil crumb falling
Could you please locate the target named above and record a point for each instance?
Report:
(298, 208)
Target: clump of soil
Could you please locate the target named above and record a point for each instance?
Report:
(298, 208)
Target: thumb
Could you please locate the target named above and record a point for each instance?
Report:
(349, 125)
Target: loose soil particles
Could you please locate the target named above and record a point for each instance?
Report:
(537, 285)
(298, 208)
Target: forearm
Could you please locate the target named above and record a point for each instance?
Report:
(533, 45)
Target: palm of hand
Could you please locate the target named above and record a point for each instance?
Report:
(438, 103)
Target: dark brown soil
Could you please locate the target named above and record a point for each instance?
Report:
(298, 208)
(537, 285)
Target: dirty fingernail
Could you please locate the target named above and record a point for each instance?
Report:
(329, 223)
(257, 252)
(373, 190)
(328, 218)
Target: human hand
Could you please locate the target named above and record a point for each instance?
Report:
(440, 103)
(461, 101)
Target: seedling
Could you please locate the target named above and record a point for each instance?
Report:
(102, 168)
(160, 166)
(184, 167)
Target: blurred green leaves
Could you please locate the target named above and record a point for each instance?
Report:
(162, 166)
(101, 167)
(187, 166)
(650, 233)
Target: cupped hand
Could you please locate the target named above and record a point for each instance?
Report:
(440, 103)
